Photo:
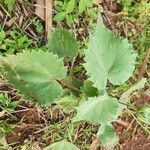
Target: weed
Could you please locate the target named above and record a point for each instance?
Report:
(4, 128)
(9, 4)
(14, 42)
(38, 25)
(6, 104)
(138, 14)
(44, 78)
(71, 10)
(41, 75)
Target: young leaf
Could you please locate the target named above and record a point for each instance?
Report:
(10, 4)
(83, 4)
(62, 145)
(144, 114)
(2, 35)
(35, 74)
(101, 110)
(60, 16)
(89, 90)
(63, 43)
(70, 6)
(107, 135)
(68, 103)
(108, 58)
(69, 19)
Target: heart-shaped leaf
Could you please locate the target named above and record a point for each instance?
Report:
(35, 74)
(108, 57)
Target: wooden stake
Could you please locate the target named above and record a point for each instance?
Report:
(48, 18)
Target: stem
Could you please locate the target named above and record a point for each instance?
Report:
(68, 85)
(72, 64)
(144, 65)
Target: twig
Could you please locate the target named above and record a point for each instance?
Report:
(130, 125)
(16, 23)
(95, 144)
(146, 130)
(123, 123)
(144, 65)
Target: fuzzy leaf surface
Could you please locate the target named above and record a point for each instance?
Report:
(62, 145)
(63, 43)
(83, 4)
(107, 135)
(108, 57)
(68, 103)
(144, 114)
(35, 74)
(100, 110)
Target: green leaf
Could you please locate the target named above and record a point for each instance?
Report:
(70, 6)
(68, 103)
(69, 19)
(62, 145)
(144, 114)
(2, 35)
(6, 103)
(3, 46)
(60, 16)
(89, 90)
(108, 58)
(83, 4)
(101, 110)
(9, 42)
(10, 4)
(35, 74)
(63, 43)
(126, 3)
(107, 135)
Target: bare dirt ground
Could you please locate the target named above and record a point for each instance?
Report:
(29, 121)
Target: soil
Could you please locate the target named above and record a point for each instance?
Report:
(142, 100)
(139, 142)
(31, 120)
